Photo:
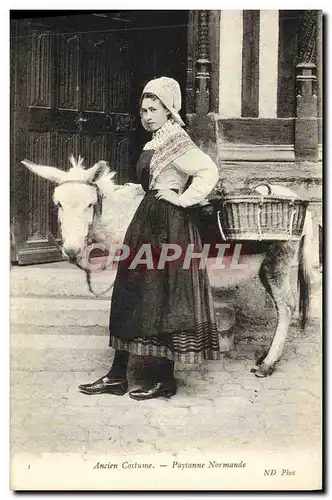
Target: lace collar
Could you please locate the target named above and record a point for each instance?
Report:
(163, 134)
(169, 143)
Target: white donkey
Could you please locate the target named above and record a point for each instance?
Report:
(90, 204)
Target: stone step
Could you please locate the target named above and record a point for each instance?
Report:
(36, 301)
(59, 311)
(62, 280)
(65, 280)
(92, 315)
(75, 314)
(57, 360)
(33, 352)
(51, 330)
(73, 353)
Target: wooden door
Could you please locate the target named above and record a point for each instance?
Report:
(72, 96)
(76, 82)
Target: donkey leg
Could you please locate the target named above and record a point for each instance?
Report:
(275, 276)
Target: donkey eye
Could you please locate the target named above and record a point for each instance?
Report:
(90, 205)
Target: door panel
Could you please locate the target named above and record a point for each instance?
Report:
(38, 213)
(67, 53)
(93, 63)
(40, 73)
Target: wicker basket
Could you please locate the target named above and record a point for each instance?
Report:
(258, 217)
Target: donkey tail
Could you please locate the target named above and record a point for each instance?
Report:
(304, 275)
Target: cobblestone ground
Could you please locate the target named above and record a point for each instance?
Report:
(220, 405)
(217, 403)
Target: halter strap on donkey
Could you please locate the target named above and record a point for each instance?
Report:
(97, 211)
(97, 207)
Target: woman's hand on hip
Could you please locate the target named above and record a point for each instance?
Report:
(168, 195)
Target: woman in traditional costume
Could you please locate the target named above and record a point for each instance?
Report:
(163, 310)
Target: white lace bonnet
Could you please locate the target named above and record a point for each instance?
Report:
(169, 92)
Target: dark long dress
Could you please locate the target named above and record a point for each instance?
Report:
(164, 312)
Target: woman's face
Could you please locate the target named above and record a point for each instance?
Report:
(153, 114)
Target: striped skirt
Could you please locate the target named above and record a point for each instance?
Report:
(165, 312)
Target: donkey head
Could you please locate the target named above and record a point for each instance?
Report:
(77, 198)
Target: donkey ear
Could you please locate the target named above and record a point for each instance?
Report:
(50, 173)
(94, 173)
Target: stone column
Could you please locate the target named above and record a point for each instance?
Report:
(201, 122)
(203, 65)
(306, 123)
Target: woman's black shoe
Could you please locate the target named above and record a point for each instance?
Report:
(158, 390)
(108, 385)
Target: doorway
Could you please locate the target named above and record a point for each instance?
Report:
(76, 83)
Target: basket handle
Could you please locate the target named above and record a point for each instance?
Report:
(269, 192)
(220, 226)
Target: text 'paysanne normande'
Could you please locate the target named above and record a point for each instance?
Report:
(211, 464)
